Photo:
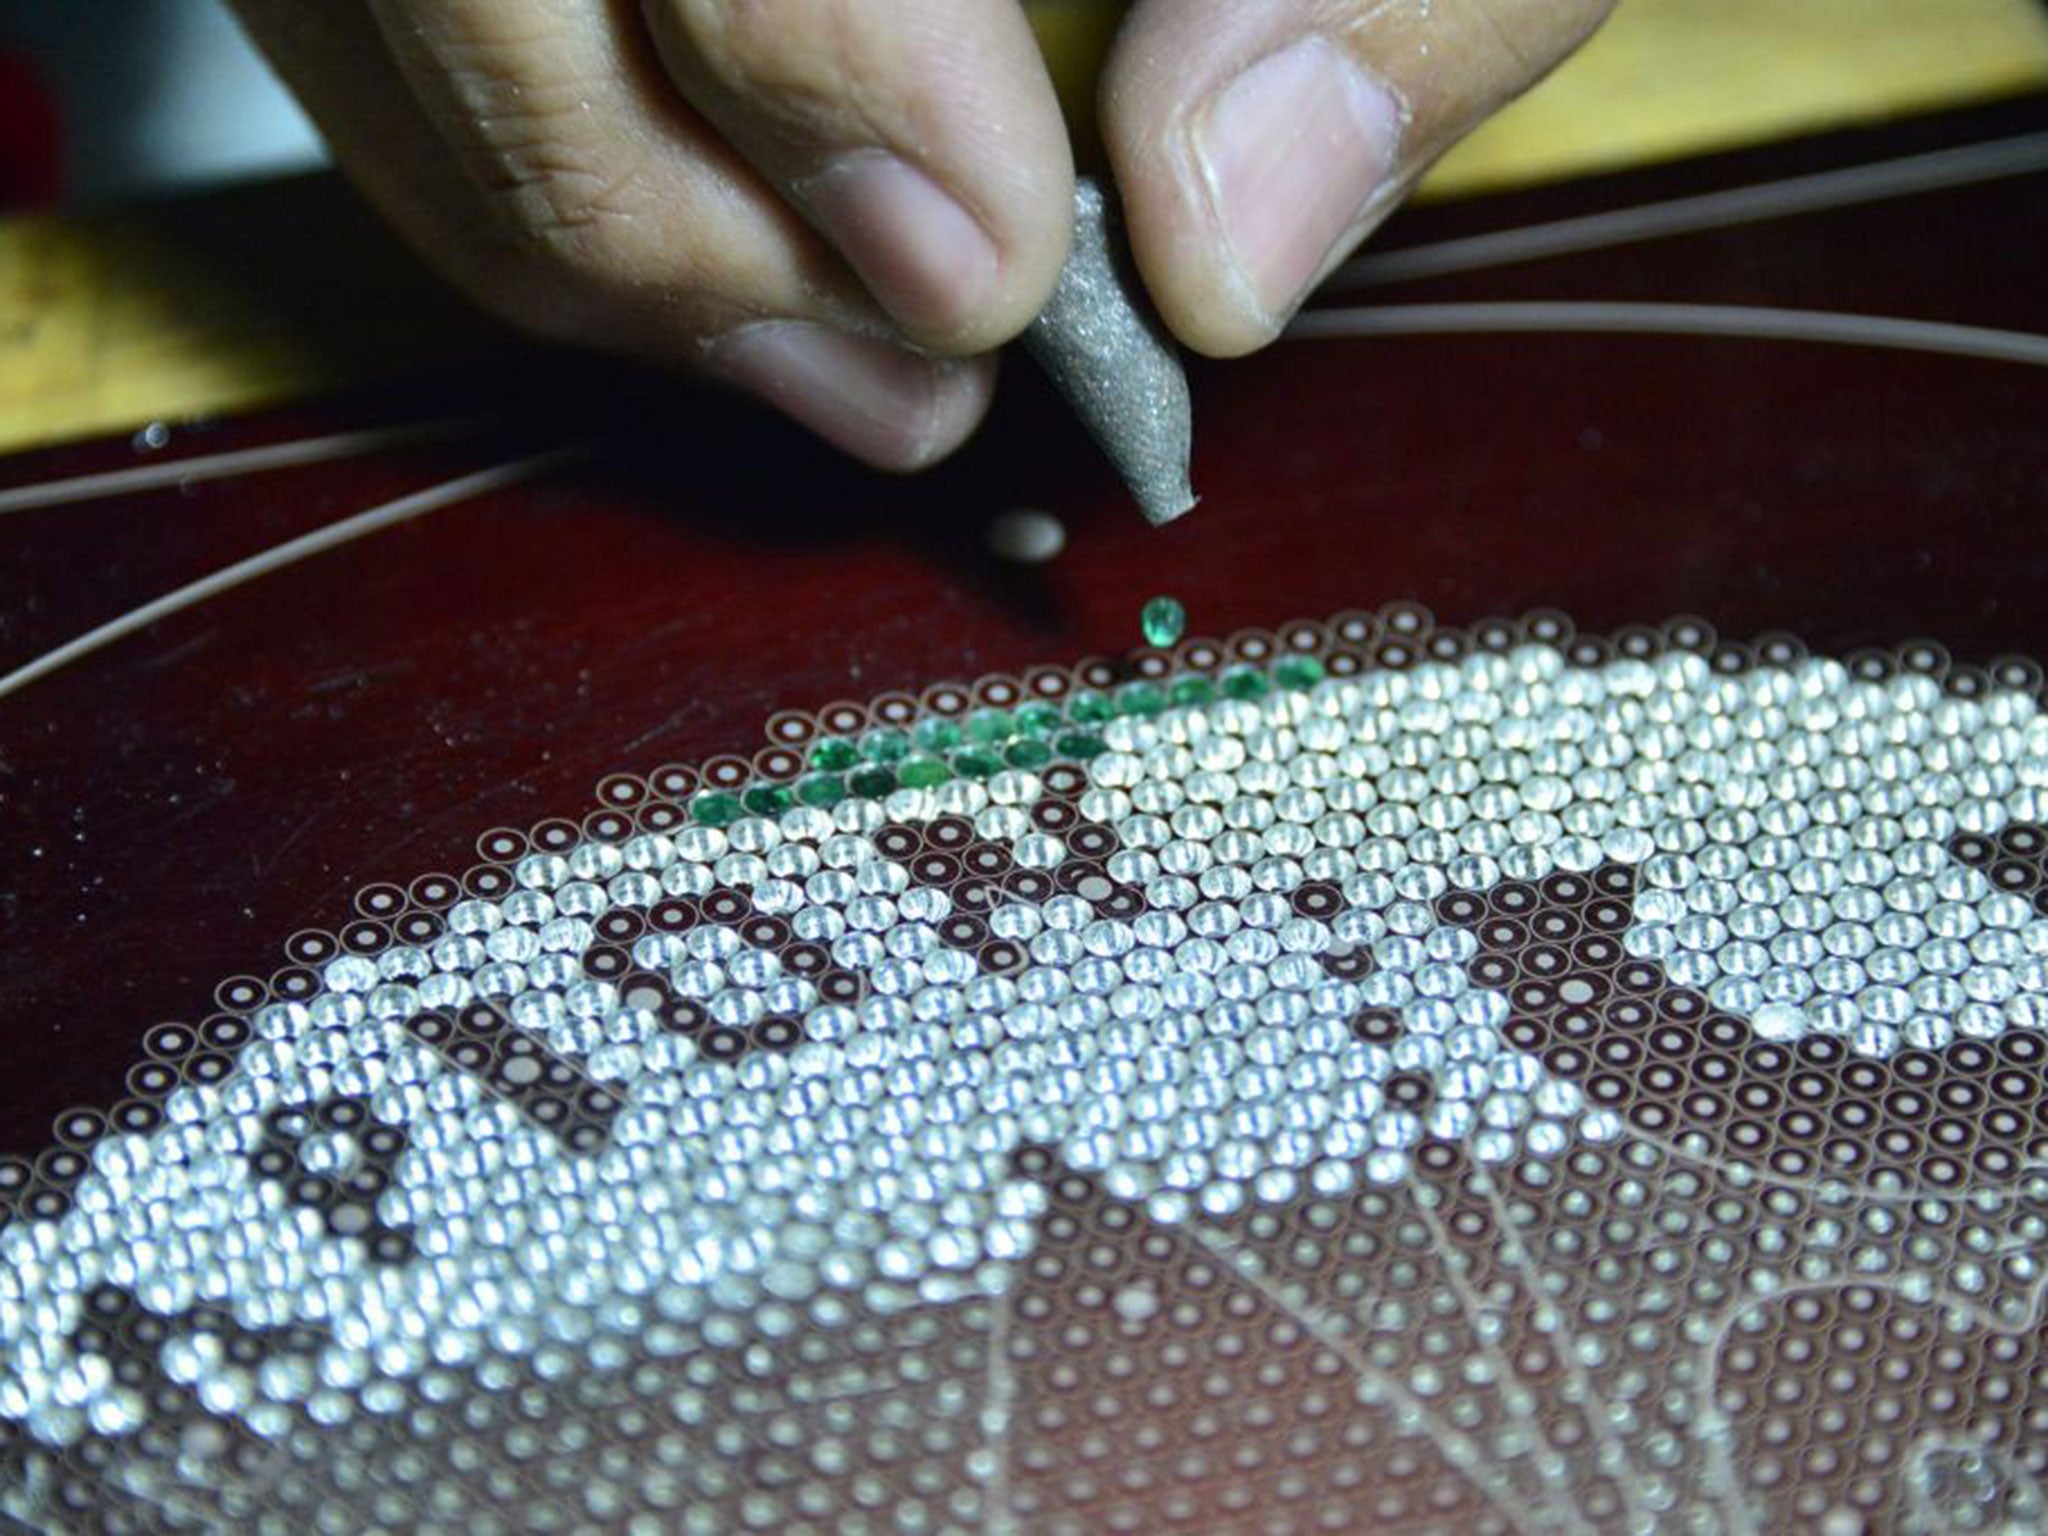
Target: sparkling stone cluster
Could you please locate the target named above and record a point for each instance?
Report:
(752, 1082)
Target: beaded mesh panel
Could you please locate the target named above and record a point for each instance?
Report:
(1365, 1077)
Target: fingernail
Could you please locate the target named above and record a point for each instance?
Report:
(878, 402)
(1292, 149)
(924, 257)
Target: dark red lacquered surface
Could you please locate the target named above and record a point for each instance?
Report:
(174, 806)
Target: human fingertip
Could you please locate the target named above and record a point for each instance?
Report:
(925, 258)
(1289, 156)
(885, 404)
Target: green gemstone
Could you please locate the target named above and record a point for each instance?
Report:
(821, 790)
(1298, 672)
(716, 808)
(1090, 708)
(935, 733)
(989, 726)
(921, 772)
(1193, 690)
(872, 783)
(1244, 683)
(976, 762)
(1037, 717)
(1081, 744)
(1163, 620)
(767, 799)
(1140, 698)
(1028, 753)
(833, 754)
(883, 745)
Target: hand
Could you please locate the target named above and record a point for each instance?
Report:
(846, 205)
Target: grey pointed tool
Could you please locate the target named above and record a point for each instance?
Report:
(1113, 361)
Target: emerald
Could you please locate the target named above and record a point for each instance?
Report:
(871, 783)
(1298, 672)
(821, 790)
(716, 808)
(1163, 620)
(833, 754)
(922, 772)
(766, 800)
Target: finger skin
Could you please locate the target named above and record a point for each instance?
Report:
(335, 62)
(560, 115)
(895, 408)
(922, 137)
(1256, 145)
(542, 161)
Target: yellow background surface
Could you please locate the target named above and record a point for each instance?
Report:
(278, 292)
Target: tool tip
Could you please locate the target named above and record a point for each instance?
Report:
(1162, 507)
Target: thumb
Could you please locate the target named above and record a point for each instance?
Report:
(1256, 145)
